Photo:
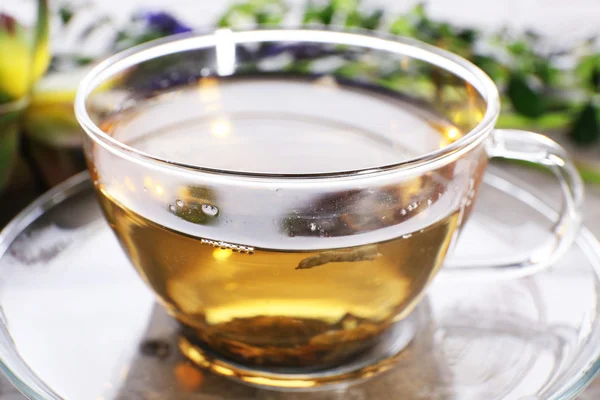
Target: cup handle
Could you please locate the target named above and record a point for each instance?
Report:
(535, 148)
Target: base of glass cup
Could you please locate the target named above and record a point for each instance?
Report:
(379, 358)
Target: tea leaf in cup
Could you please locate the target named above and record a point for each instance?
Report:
(362, 253)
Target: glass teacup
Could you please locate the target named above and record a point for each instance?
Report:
(290, 194)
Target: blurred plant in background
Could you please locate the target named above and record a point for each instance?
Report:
(549, 90)
(553, 91)
(24, 58)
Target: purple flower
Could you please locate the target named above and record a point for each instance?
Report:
(165, 23)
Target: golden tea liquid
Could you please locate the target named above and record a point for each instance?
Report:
(278, 307)
(309, 281)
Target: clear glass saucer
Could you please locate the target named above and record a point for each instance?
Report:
(76, 322)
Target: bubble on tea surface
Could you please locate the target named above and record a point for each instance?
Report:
(209, 209)
(313, 226)
(171, 208)
(179, 203)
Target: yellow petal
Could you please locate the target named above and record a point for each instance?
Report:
(14, 66)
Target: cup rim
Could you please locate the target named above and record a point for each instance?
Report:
(359, 37)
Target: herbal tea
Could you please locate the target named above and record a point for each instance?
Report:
(321, 277)
(282, 308)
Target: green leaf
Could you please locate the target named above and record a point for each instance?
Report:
(518, 48)
(344, 5)
(83, 60)
(426, 31)
(402, 26)
(524, 98)
(354, 19)
(444, 30)
(299, 67)
(66, 14)
(413, 23)
(587, 71)
(595, 79)
(490, 66)
(544, 70)
(418, 11)
(266, 18)
(370, 21)
(327, 13)
(468, 36)
(586, 129)
(223, 22)
(350, 70)
(315, 14)
(311, 14)
(261, 12)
